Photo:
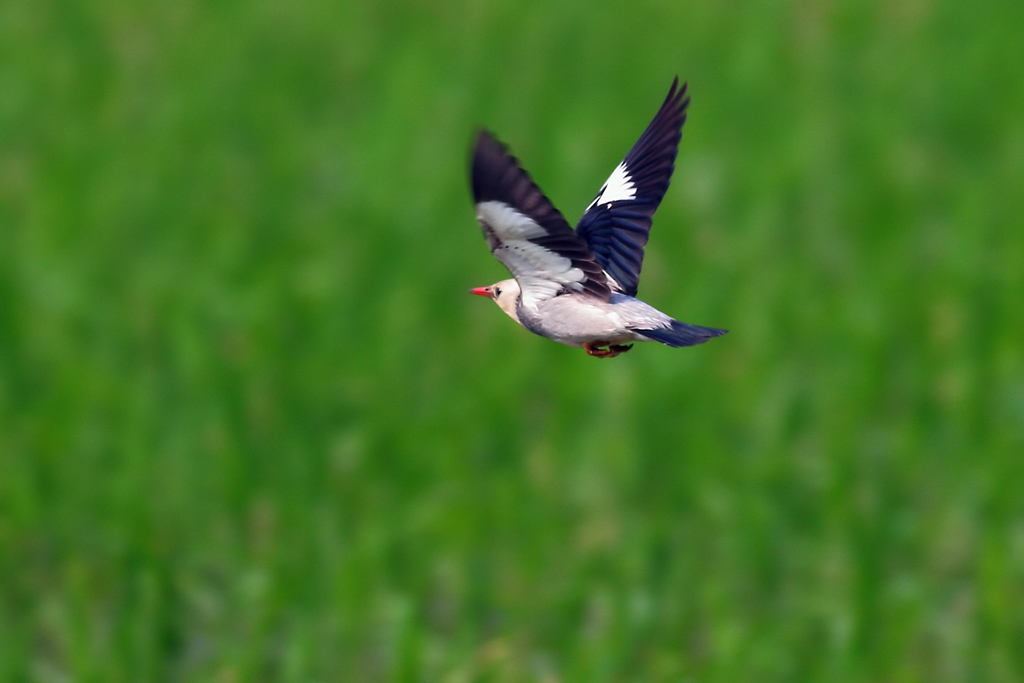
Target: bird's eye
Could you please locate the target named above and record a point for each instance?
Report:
(497, 292)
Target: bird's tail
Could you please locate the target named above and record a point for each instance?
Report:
(681, 334)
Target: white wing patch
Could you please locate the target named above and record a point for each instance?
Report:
(612, 282)
(541, 273)
(619, 186)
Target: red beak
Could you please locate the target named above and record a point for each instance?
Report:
(480, 291)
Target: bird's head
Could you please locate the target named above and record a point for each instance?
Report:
(504, 294)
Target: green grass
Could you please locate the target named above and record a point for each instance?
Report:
(253, 429)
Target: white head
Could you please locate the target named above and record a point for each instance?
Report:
(504, 293)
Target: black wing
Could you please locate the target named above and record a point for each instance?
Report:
(527, 233)
(617, 223)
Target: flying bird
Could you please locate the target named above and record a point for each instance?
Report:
(578, 287)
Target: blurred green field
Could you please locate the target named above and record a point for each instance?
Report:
(253, 429)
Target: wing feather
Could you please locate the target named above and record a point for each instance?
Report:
(526, 232)
(618, 222)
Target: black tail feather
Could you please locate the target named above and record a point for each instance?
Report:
(681, 334)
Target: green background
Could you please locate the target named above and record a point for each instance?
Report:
(252, 428)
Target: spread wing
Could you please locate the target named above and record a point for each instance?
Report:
(617, 223)
(527, 233)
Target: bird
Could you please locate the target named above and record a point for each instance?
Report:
(578, 287)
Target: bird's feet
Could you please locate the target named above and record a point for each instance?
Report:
(594, 349)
